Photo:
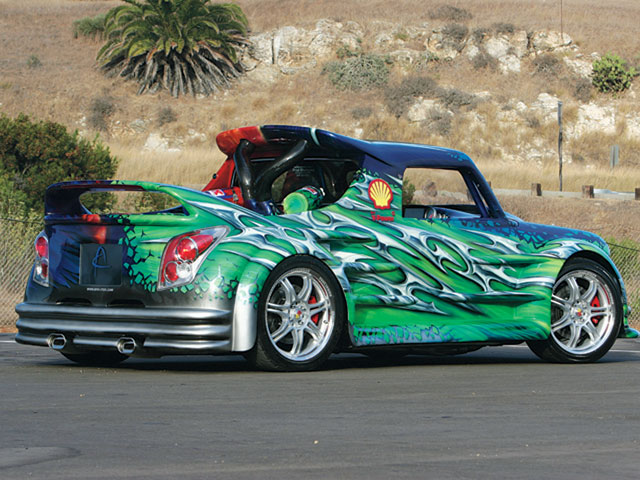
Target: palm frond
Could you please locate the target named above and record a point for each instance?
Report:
(184, 46)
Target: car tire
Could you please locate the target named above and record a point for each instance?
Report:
(96, 358)
(300, 317)
(586, 314)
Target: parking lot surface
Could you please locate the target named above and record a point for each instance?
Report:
(495, 413)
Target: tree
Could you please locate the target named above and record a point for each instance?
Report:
(33, 155)
(184, 46)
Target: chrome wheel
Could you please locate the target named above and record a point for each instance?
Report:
(586, 314)
(299, 314)
(582, 312)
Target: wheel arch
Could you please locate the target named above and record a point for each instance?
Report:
(605, 263)
(610, 267)
(250, 288)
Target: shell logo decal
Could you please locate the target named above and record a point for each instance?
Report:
(380, 194)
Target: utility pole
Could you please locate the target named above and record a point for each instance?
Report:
(561, 25)
(560, 143)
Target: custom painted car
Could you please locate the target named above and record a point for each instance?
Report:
(303, 244)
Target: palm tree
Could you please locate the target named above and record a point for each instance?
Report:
(184, 46)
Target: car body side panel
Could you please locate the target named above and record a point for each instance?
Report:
(405, 280)
(458, 281)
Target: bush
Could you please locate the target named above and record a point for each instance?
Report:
(166, 115)
(408, 191)
(345, 51)
(363, 72)
(504, 28)
(14, 201)
(34, 62)
(582, 90)
(183, 46)
(90, 27)
(547, 65)
(399, 97)
(450, 13)
(454, 99)
(479, 34)
(34, 155)
(455, 32)
(440, 122)
(484, 60)
(360, 113)
(99, 111)
(531, 120)
(611, 74)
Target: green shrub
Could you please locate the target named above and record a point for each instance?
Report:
(34, 62)
(612, 74)
(90, 27)
(345, 52)
(36, 154)
(408, 191)
(364, 72)
(14, 201)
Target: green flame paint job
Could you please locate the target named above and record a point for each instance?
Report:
(483, 278)
(405, 280)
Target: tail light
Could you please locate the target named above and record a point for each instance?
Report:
(184, 254)
(41, 267)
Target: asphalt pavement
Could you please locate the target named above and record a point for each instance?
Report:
(495, 413)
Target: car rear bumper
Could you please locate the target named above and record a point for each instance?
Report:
(145, 331)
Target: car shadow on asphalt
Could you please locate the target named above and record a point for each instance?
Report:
(344, 361)
(500, 356)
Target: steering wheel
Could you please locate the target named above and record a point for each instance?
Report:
(258, 189)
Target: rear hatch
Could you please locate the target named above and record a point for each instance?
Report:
(116, 259)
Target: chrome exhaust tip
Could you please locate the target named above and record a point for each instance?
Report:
(126, 345)
(56, 341)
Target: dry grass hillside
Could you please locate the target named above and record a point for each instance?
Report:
(66, 86)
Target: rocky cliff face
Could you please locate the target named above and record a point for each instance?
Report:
(287, 51)
(290, 50)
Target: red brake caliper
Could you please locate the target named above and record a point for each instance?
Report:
(595, 303)
(315, 318)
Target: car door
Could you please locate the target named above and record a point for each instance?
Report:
(468, 277)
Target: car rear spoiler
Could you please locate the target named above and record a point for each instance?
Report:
(63, 204)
